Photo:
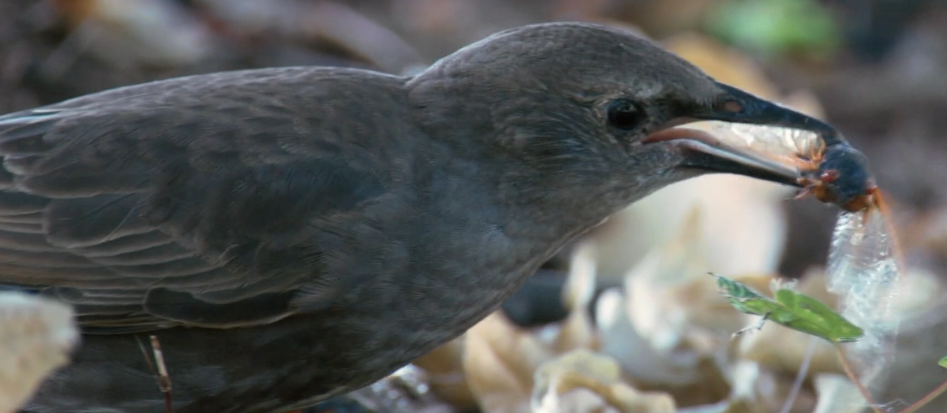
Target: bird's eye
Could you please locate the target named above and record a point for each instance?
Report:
(624, 114)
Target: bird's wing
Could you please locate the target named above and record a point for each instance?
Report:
(185, 202)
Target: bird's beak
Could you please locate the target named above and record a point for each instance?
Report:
(737, 106)
(704, 151)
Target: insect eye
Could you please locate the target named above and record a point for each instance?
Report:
(624, 114)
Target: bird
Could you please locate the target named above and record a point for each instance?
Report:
(292, 234)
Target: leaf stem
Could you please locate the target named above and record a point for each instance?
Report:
(851, 375)
(873, 404)
(926, 399)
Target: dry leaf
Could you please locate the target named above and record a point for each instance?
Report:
(723, 63)
(445, 371)
(36, 336)
(500, 358)
(135, 32)
(493, 363)
(325, 21)
(690, 377)
(499, 361)
(670, 290)
(634, 353)
(599, 376)
(728, 65)
(755, 390)
(743, 229)
(669, 328)
(404, 391)
(578, 329)
(662, 17)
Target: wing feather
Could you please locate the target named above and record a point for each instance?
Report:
(183, 202)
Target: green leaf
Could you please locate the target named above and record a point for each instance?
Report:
(790, 309)
(943, 362)
(775, 26)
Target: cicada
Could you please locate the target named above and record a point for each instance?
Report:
(865, 262)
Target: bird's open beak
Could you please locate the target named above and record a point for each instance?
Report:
(704, 151)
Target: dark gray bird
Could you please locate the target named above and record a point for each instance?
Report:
(291, 234)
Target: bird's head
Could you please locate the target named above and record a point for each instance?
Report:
(593, 112)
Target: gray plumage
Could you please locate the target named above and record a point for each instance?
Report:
(293, 233)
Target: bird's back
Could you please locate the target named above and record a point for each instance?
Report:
(237, 216)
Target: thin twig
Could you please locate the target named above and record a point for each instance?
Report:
(851, 375)
(926, 399)
(800, 376)
(164, 381)
(144, 353)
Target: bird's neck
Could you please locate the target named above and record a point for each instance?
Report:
(559, 214)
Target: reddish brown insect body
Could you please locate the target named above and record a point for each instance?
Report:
(838, 174)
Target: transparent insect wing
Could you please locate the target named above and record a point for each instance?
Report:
(783, 145)
(863, 272)
(862, 262)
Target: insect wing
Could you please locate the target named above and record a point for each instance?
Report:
(863, 267)
(863, 271)
(790, 147)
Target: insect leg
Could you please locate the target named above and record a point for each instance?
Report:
(802, 193)
(758, 326)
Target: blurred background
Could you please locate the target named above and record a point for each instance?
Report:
(632, 289)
